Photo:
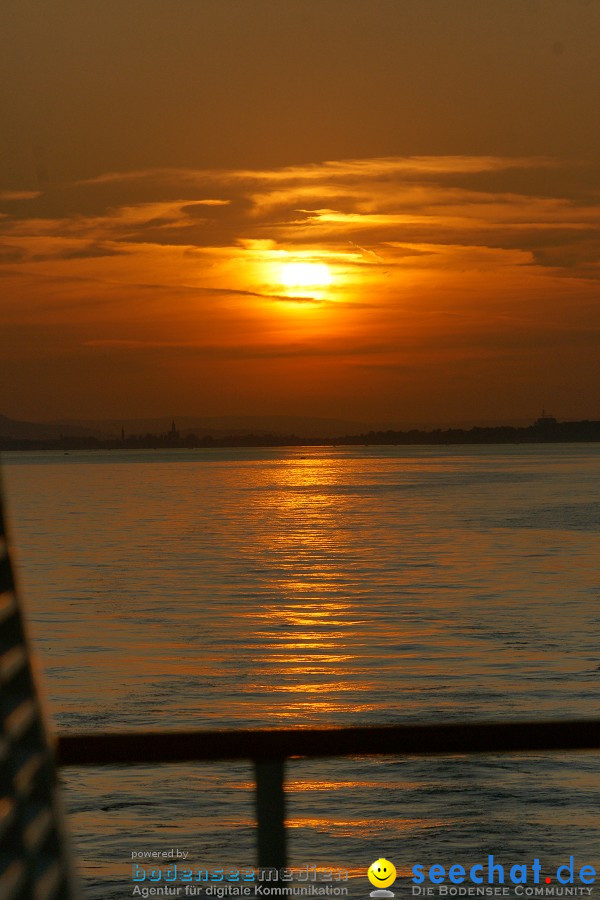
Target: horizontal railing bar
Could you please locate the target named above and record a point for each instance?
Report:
(423, 740)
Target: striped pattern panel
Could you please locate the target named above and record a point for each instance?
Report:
(33, 864)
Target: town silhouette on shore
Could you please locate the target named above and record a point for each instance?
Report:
(545, 429)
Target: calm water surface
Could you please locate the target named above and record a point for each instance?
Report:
(318, 587)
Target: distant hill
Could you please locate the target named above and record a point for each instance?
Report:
(40, 431)
(217, 426)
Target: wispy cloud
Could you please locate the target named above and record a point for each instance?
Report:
(11, 196)
(375, 205)
(348, 168)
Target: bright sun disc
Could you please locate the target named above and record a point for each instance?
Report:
(305, 275)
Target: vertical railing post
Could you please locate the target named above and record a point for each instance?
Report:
(270, 813)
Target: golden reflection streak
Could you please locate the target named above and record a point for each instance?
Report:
(309, 708)
(300, 786)
(352, 827)
(313, 636)
(307, 688)
(303, 645)
(323, 658)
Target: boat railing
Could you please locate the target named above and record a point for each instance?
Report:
(269, 749)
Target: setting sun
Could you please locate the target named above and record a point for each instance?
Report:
(305, 275)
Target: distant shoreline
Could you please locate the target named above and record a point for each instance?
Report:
(541, 432)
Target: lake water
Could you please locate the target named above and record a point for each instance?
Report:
(179, 589)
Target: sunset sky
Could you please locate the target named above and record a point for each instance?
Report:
(384, 210)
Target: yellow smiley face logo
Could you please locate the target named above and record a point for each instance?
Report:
(382, 873)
